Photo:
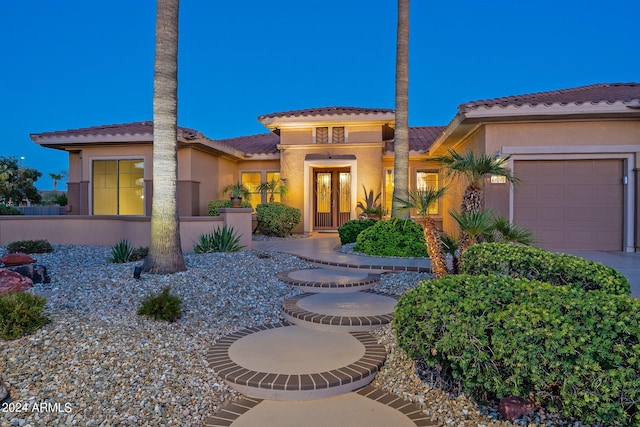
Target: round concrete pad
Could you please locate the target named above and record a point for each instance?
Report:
(351, 304)
(325, 275)
(295, 350)
(345, 410)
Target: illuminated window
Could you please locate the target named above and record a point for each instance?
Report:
(273, 177)
(251, 180)
(118, 187)
(388, 189)
(426, 180)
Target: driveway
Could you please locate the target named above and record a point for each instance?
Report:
(627, 263)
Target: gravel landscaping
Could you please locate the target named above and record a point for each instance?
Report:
(100, 364)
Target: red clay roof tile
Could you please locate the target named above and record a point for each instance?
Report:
(603, 92)
(327, 111)
(135, 128)
(264, 143)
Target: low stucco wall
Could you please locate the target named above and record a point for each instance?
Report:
(108, 230)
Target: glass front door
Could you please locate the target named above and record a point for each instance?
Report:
(332, 198)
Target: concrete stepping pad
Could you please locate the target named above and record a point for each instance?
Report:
(321, 280)
(367, 407)
(288, 362)
(346, 312)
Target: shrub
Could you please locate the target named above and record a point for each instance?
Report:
(350, 230)
(163, 306)
(121, 252)
(537, 264)
(221, 240)
(21, 314)
(9, 210)
(30, 247)
(277, 219)
(573, 351)
(397, 237)
(214, 205)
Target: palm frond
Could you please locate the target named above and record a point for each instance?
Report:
(474, 167)
(421, 199)
(507, 232)
(474, 224)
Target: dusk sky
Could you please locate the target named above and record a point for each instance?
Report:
(78, 63)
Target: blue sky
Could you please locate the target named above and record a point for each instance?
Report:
(79, 63)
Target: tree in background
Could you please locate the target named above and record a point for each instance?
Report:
(165, 251)
(17, 184)
(57, 177)
(401, 134)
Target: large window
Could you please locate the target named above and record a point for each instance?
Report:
(424, 180)
(388, 190)
(118, 187)
(253, 179)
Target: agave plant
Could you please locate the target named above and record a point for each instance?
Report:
(223, 239)
(121, 252)
(420, 200)
(371, 205)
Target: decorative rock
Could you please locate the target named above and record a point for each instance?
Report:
(11, 281)
(4, 392)
(10, 260)
(514, 407)
(36, 272)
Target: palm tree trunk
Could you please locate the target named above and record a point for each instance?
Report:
(434, 248)
(165, 252)
(401, 135)
(472, 199)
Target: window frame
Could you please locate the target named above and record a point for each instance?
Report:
(92, 164)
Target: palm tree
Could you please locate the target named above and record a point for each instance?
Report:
(421, 200)
(165, 252)
(473, 226)
(401, 135)
(507, 232)
(55, 177)
(273, 187)
(475, 168)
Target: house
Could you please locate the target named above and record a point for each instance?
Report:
(575, 150)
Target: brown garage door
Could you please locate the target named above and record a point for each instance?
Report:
(572, 204)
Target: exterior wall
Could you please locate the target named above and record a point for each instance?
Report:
(108, 230)
(296, 136)
(364, 133)
(456, 186)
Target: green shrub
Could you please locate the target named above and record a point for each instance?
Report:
(163, 306)
(221, 240)
(30, 247)
(21, 314)
(121, 252)
(277, 219)
(537, 264)
(397, 237)
(9, 210)
(572, 351)
(350, 230)
(214, 205)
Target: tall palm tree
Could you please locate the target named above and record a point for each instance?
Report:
(55, 177)
(165, 252)
(475, 168)
(401, 134)
(421, 200)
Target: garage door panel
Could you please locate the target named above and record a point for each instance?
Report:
(571, 204)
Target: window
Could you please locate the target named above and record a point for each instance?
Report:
(118, 187)
(426, 180)
(273, 178)
(251, 180)
(388, 190)
(333, 135)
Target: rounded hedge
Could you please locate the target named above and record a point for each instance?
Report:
(214, 205)
(277, 219)
(572, 351)
(527, 262)
(350, 230)
(396, 237)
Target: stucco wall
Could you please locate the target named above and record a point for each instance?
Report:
(106, 231)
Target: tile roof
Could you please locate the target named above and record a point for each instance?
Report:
(135, 128)
(327, 111)
(420, 138)
(594, 94)
(264, 143)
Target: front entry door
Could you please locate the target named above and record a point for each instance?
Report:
(332, 198)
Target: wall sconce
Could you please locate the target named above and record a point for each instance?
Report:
(136, 272)
(498, 179)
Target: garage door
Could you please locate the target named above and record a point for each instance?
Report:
(572, 204)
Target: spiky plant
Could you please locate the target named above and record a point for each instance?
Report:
(475, 167)
(507, 232)
(421, 200)
(371, 203)
(473, 226)
(223, 239)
